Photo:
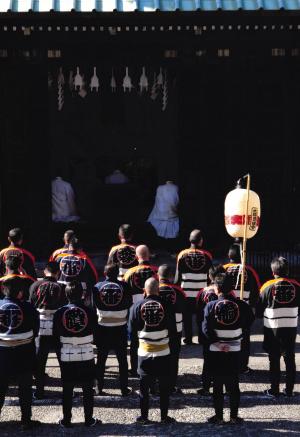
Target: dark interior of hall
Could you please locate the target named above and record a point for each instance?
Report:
(232, 108)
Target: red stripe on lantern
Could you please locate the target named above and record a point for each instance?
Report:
(240, 220)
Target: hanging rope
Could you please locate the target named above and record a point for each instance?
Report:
(165, 93)
(60, 86)
(154, 89)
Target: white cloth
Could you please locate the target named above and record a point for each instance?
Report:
(117, 177)
(63, 202)
(164, 216)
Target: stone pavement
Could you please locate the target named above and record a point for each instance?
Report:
(263, 415)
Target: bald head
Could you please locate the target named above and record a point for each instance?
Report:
(196, 237)
(142, 253)
(151, 287)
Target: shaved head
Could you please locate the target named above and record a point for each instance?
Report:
(151, 287)
(68, 235)
(196, 237)
(142, 253)
(164, 272)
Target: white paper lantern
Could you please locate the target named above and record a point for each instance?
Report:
(235, 208)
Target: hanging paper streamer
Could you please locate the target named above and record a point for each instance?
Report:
(78, 80)
(71, 80)
(83, 91)
(113, 83)
(127, 84)
(143, 81)
(60, 85)
(160, 78)
(94, 85)
(50, 80)
(154, 89)
(165, 93)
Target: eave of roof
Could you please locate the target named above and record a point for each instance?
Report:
(62, 6)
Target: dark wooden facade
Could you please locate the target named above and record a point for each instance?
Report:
(238, 95)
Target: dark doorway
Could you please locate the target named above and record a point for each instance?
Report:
(94, 133)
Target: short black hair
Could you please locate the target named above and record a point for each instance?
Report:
(234, 253)
(74, 291)
(196, 236)
(68, 235)
(111, 271)
(13, 262)
(74, 242)
(280, 266)
(164, 271)
(223, 283)
(12, 287)
(52, 267)
(125, 231)
(15, 235)
(215, 270)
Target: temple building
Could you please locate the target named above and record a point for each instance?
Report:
(196, 91)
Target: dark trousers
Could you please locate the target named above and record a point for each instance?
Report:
(24, 381)
(190, 310)
(206, 374)
(245, 350)
(112, 339)
(164, 392)
(224, 368)
(46, 344)
(88, 399)
(175, 346)
(149, 370)
(232, 386)
(289, 359)
(134, 345)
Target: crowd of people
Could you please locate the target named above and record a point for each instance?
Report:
(73, 312)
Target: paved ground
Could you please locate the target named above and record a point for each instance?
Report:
(262, 415)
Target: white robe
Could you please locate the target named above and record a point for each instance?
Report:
(164, 216)
(63, 202)
(116, 178)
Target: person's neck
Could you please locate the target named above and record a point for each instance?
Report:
(15, 298)
(14, 244)
(114, 279)
(124, 240)
(143, 261)
(74, 302)
(50, 275)
(13, 272)
(194, 246)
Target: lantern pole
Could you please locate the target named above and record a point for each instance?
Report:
(245, 240)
